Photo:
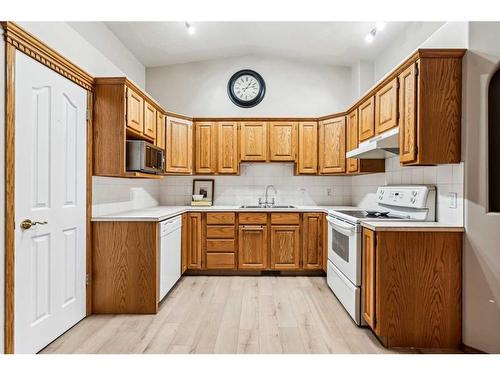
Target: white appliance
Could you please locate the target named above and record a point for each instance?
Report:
(382, 146)
(394, 203)
(170, 254)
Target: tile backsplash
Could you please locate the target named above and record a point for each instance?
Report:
(252, 182)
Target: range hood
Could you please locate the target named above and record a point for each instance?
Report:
(382, 146)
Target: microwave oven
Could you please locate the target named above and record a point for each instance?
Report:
(144, 157)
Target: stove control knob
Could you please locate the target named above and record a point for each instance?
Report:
(414, 193)
(412, 200)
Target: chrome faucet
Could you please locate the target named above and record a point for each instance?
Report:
(267, 203)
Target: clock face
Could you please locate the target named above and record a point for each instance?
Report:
(246, 88)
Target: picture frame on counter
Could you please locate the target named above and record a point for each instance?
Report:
(205, 188)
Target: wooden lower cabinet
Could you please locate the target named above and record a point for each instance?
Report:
(285, 247)
(312, 241)
(253, 249)
(194, 241)
(412, 287)
(184, 243)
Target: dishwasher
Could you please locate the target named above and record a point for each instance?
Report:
(170, 254)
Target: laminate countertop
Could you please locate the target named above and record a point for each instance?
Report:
(411, 226)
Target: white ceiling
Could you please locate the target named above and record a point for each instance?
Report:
(336, 43)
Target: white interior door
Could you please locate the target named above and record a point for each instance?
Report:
(50, 186)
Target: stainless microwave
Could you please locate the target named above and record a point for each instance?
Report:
(144, 157)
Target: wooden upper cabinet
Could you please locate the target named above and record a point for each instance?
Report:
(352, 140)
(408, 115)
(179, 153)
(312, 241)
(160, 130)
(205, 147)
(332, 146)
(282, 141)
(285, 247)
(366, 119)
(368, 278)
(194, 241)
(135, 111)
(253, 141)
(386, 107)
(253, 249)
(227, 147)
(149, 120)
(307, 161)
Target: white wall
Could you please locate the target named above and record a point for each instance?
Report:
(2, 189)
(362, 77)
(252, 182)
(481, 328)
(292, 88)
(103, 39)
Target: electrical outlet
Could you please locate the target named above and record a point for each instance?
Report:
(452, 198)
(329, 192)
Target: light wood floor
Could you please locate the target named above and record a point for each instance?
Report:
(211, 314)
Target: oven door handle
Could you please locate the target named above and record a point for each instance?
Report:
(338, 226)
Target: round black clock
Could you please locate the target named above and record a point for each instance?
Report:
(246, 88)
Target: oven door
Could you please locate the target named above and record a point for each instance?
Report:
(344, 248)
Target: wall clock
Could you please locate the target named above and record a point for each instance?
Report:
(246, 88)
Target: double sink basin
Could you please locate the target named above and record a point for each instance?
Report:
(267, 207)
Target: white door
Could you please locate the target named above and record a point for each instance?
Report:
(50, 186)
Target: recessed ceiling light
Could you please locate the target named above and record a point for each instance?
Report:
(190, 28)
(370, 36)
(380, 25)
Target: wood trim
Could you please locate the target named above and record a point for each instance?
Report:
(258, 119)
(10, 95)
(90, 136)
(38, 50)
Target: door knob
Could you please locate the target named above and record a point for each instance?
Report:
(27, 223)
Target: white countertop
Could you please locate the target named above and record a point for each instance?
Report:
(160, 213)
(408, 226)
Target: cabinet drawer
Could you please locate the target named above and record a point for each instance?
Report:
(220, 246)
(285, 218)
(220, 218)
(220, 231)
(253, 218)
(220, 261)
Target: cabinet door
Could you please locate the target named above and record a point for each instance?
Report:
(352, 140)
(149, 120)
(312, 241)
(205, 143)
(282, 141)
(253, 141)
(184, 243)
(160, 130)
(179, 145)
(227, 147)
(252, 254)
(386, 107)
(307, 162)
(135, 111)
(366, 120)
(408, 115)
(332, 146)
(285, 247)
(194, 241)
(368, 279)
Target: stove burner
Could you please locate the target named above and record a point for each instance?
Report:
(377, 214)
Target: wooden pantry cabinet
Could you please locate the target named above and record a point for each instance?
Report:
(179, 145)
(253, 140)
(411, 287)
(282, 141)
(332, 146)
(307, 160)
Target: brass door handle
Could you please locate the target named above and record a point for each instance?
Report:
(27, 223)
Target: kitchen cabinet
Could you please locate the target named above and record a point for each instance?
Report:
(194, 241)
(184, 243)
(408, 127)
(227, 147)
(307, 161)
(160, 130)
(332, 146)
(366, 119)
(285, 247)
(312, 241)
(135, 110)
(411, 287)
(253, 141)
(352, 140)
(220, 243)
(179, 143)
(205, 147)
(282, 141)
(386, 107)
(253, 247)
(149, 120)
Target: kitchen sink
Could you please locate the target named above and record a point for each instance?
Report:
(277, 206)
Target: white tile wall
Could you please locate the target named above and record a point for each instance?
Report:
(447, 178)
(251, 184)
(111, 195)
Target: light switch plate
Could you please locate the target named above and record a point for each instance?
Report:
(452, 198)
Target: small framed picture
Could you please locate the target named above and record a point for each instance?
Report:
(204, 188)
